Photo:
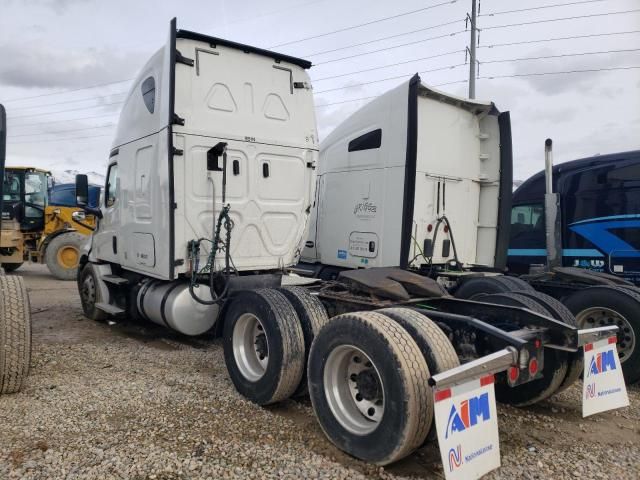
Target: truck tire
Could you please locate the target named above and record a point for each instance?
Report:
(263, 345)
(90, 293)
(473, 287)
(368, 387)
(312, 316)
(63, 254)
(609, 305)
(562, 313)
(434, 344)
(15, 334)
(11, 267)
(555, 365)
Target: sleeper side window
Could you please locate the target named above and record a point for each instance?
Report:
(149, 93)
(527, 226)
(111, 187)
(368, 141)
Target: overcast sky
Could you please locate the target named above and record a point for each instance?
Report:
(50, 46)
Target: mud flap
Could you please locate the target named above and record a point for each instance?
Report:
(467, 425)
(603, 386)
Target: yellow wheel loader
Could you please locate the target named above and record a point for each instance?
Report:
(36, 229)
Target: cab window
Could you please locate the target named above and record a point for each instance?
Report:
(527, 226)
(111, 186)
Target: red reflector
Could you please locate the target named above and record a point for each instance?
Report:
(613, 339)
(537, 343)
(446, 229)
(443, 394)
(514, 373)
(533, 366)
(486, 380)
(429, 228)
(588, 346)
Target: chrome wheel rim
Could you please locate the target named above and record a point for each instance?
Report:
(250, 347)
(354, 389)
(89, 291)
(602, 316)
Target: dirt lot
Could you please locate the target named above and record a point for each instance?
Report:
(127, 401)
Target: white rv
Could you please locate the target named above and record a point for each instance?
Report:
(390, 171)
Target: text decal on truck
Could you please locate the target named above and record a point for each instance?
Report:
(603, 387)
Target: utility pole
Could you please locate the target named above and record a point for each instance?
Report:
(472, 52)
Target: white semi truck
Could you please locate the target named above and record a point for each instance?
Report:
(209, 193)
(422, 179)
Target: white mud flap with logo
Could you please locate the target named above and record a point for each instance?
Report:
(603, 386)
(467, 425)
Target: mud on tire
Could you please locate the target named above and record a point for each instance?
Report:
(90, 293)
(263, 346)
(368, 387)
(15, 334)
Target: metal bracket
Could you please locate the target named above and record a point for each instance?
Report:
(182, 59)
(177, 119)
(177, 151)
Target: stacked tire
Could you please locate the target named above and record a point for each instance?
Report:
(15, 333)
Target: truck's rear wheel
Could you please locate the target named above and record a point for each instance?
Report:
(90, 293)
(63, 255)
(15, 333)
(11, 267)
(432, 341)
(607, 305)
(368, 387)
(263, 346)
(312, 316)
(473, 287)
(554, 369)
(562, 313)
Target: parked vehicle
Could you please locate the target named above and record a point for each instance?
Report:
(15, 314)
(210, 187)
(42, 224)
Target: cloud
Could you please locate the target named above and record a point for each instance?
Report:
(38, 66)
(60, 7)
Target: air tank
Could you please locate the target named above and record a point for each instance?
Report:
(171, 305)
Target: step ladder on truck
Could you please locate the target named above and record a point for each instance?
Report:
(209, 193)
(15, 314)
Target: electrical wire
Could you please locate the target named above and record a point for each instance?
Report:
(372, 22)
(62, 131)
(69, 101)
(388, 66)
(67, 91)
(64, 120)
(63, 111)
(573, 37)
(542, 7)
(61, 139)
(560, 19)
(560, 55)
(533, 74)
(448, 67)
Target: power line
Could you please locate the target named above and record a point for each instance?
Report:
(67, 91)
(448, 67)
(491, 14)
(366, 23)
(315, 54)
(62, 131)
(557, 38)
(386, 48)
(69, 101)
(64, 120)
(61, 139)
(533, 74)
(388, 66)
(560, 55)
(560, 19)
(69, 110)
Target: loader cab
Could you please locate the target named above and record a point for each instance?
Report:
(599, 212)
(26, 195)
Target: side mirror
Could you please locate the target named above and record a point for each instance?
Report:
(82, 191)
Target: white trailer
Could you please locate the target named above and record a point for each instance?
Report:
(209, 191)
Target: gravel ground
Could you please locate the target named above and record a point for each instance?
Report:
(137, 402)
